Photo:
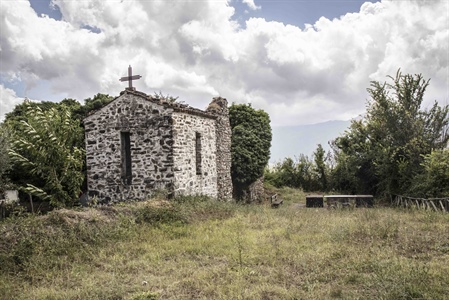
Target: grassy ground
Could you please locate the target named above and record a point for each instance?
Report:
(201, 249)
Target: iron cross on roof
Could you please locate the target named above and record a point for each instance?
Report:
(130, 77)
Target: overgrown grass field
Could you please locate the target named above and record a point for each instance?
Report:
(196, 248)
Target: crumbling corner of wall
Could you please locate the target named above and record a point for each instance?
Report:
(219, 107)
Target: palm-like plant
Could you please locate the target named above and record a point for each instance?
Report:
(44, 147)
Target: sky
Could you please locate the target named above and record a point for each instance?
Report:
(303, 62)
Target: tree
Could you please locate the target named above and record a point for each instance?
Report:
(20, 174)
(320, 167)
(305, 173)
(385, 150)
(251, 142)
(5, 163)
(97, 102)
(434, 181)
(354, 170)
(14, 117)
(46, 153)
(282, 174)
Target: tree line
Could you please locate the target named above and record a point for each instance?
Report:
(397, 147)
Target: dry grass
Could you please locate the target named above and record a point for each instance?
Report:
(198, 249)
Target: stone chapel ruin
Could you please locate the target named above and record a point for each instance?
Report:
(139, 144)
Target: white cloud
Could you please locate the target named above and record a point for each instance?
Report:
(8, 100)
(195, 50)
(251, 4)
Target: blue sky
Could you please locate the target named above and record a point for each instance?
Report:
(292, 12)
(45, 7)
(299, 12)
(303, 62)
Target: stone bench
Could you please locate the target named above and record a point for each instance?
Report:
(349, 201)
(364, 201)
(314, 201)
(275, 202)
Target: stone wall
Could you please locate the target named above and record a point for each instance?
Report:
(150, 128)
(138, 145)
(255, 192)
(191, 179)
(219, 107)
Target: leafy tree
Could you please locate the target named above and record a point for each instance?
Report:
(342, 176)
(303, 172)
(79, 111)
(251, 142)
(46, 153)
(434, 181)
(282, 174)
(14, 117)
(97, 102)
(288, 174)
(354, 171)
(20, 172)
(5, 163)
(320, 167)
(385, 150)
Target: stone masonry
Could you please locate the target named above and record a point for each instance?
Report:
(138, 145)
(188, 179)
(219, 107)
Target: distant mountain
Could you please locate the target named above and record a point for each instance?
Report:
(291, 141)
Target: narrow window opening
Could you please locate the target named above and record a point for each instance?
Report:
(198, 152)
(126, 157)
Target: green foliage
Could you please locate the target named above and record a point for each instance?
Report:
(166, 98)
(160, 215)
(282, 174)
(5, 164)
(434, 181)
(251, 142)
(62, 134)
(46, 154)
(305, 173)
(383, 152)
(320, 167)
(342, 177)
(14, 118)
(90, 104)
